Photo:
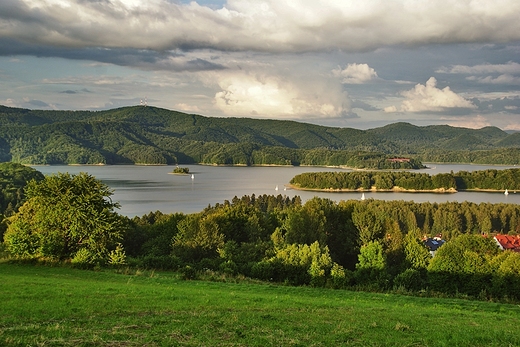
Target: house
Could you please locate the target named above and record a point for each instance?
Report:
(433, 243)
(508, 242)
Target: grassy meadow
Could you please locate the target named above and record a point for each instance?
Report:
(60, 306)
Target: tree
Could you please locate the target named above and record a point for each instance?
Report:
(417, 255)
(64, 216)
(371, 266)
(463, 265)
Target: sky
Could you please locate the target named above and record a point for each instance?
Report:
(343, 63)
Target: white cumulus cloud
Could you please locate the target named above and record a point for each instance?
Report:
(355, 73)
(427, 97)
(273, 96)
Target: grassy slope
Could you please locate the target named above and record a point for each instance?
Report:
(66, 307)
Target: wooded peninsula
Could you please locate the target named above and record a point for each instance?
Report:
(484, 180)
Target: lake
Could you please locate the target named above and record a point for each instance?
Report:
(141, 189)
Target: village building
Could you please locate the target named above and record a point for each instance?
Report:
(433, 243)
(508, 242)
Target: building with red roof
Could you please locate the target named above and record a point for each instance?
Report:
(508, 242)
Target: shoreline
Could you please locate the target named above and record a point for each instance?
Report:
(399, 190)
(374, 190)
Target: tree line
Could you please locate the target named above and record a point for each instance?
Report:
(491, 179)
(371, 244)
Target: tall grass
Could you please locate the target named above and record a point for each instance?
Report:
(58, 306)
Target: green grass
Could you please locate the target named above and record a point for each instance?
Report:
(59, 306)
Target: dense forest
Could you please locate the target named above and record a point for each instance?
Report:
(492, 179)
(367, 245)
(150, 135)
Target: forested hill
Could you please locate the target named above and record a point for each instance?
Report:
(158, 136)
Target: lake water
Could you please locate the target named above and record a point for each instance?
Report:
(141, 189)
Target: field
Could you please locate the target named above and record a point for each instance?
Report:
(59, 306)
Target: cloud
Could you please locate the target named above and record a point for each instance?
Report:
(508, 68)
(502, 79)
(187, 108)
(256, 25)
(355, 74)
(508, 73)
(276, 96)
(37, 103)
(144, 59)
(429, 98)
(512, 126)
(70, 91)
(390, 109)
(504, 105)
(363, 105)
(28, 103)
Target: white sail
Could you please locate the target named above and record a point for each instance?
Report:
(363, 196)
(506, 192)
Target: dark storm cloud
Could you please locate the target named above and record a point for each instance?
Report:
(144, 59)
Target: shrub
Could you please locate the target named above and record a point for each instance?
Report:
(411, 280)
(188, 273)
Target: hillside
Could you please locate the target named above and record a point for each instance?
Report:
(151, 135)
(53, 306)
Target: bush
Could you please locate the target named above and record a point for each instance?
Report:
(188, 273)
(229, 267)
(117, 257)
(411, 280)
(84, 259)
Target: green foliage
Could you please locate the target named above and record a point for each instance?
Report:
(117, 257)
(412, 280)
(198, 237)
(484, 179)
(62, 215)
(371, 257)
(181, 170)
(275, 238)
(13, 179)
(301, 264)
(85, 259)
(417, 255)
(371, 269)
(506, 276)
(463, 265)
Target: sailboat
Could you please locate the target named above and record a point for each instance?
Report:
(276, 188)
(506, 192)
(363, 196)
(192, 176)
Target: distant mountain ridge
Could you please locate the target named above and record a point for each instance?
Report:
(152, 135)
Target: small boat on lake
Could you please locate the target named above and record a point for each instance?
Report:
(363, 196)
(506, 192)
